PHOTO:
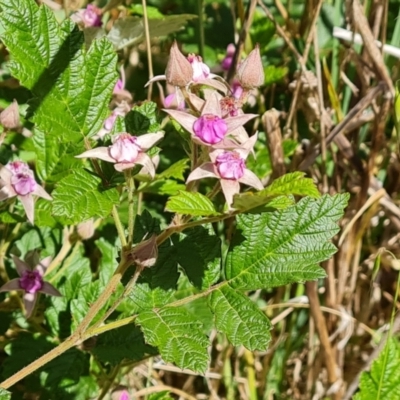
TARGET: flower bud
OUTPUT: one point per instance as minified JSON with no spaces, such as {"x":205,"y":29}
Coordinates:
{"x":145,"y":253}
{"x":9,"y":117}
{"x":251,"y":72}
{"x":179,"y":71}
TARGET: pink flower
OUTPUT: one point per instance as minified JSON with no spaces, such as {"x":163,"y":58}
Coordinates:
{"x":127,"y":151}
{"x":210,"y":128}
{"x":90,"y":16}
{"x":227,"y":61}
{"x":201,"y":71}
{"x":118,"y":86}
{"x":230,"y":168}
{"x":31,"y":282}
{"x":17,"y":179}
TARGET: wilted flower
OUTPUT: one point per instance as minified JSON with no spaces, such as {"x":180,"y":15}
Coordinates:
{"x":31,"y":282}
{"x":210,"y":128}
{"x":230,"y":168}
{"x":127,"y":151}
{"x":90,"y":16}
{"x":9,"y":117}
{"x":251,"y":72}
{"x":17,"y":179}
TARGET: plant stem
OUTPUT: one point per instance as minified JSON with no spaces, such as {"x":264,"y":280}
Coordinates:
{"x":131,"y":204}
{"x":118,"y":225}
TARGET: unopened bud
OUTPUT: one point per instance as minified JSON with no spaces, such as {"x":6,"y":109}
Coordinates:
{"x":251,"y":72}
{"x":145,"y":253}
{"x":9,"y":117}
{"x":179,"y":71}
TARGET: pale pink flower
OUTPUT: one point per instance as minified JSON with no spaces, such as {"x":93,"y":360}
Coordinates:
{"x":230,"y":168}
{"x":127,"y":151}
{"x":31,"y":282}
{"x":201,"y":70}
{"x":90,"y":16}
{"x":17,"y":179}
{"x":210,"y":128}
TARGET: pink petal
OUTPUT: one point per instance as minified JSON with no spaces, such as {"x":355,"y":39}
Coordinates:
{"x":183,"y":118}
{"x":123,"y":166}
{"x":212,"y":106}
{"x":7,"y":192}
{"x":49,"y":289}
{"x":229,"y":188}
{"x":155,"y":79}
{"x":248,"y":146}
{"x":101,"y":153}
{"x":240,"y":134}
{"x":20,"y":265}
{"x":205,"y":170}
{"x":196,"y":101}
{"x":28,"y":204}
{"x":212,"y":83}
{"x":149,"y":140}
{"x":145,"y":160}
{"x":10,"y":285}
{"x":29,"y":303}
{"x":5,"y":174}
{"x":239,"y":120}
{"x":39,"y":191}
{"x":43,"y":265}
{"x":250,"y":178}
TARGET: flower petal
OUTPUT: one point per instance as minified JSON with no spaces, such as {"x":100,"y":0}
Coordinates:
{"x":123,"y":166}
{"x":39,"y":191}
{"x":21,"y":266}
{"x":149,"y":140}
{"x":29,"y":303}
{"x":101,"y":153}
{"x":28,"y":204}
{"x":145,"y":160}
{"x":10,"y":285}
{"x":155,"y":79}
{"x":183,"y":118}
{"x":7,"y":192}
{"x":212,"y":106}
{"x":250,"y":178}
{"x":212,"y":83}
{"x":229,"y":187}
{"x":234,"y":122}
{"x":196,"y":101}
{"x":49,"y":289}
{"x":205,"y":170}
{"x":43,"y":265}
{"x":5,"y":174}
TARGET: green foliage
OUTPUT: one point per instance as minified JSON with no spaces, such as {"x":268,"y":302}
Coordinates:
{"x":282,"y":247}
{"x":240,"y":319}
{"x":191,"y":203}
{"x":77,"y":197}
{"x":164,"y":395}
{"x":4,"y":394}
{"x":383,"y":381}
{"x":142,"y":119}
{"x":178,"y":336}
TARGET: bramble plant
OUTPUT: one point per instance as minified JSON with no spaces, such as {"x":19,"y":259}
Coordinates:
{"x":79,"y":192}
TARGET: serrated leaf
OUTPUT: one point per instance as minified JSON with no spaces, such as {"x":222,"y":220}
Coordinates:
{"x":71,"y":88}
{"x":383,"y":381}
{"x":274,"y":249}
{"x":176,"y":170}
{"x":142,"y":119}
{"x":178,"y":336}
{"x":240,"y":319}
{"x":199,"y":254}
{"x":125,"y":343}
{"x":292,"y":184}
{"x":168,"y":187}
{"x":77,"y":197}
{"x":191,"y":203}
{"x":130,"y":30}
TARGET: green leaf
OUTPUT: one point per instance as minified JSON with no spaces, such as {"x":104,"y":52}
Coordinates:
{"x":130,"y":30}
{"x":77,"y":197}
{"x":274,"y":249}
{"x":274,"y":74}
{"x":191,"y":203}
{"x":54,"y":159}
{"x":178,"y":336}
{"x":240,"y":319}
{"x":164,"y":395}
{"x":108,"y":262}
{"x":125,"y":343}
{"x":176,"y":170}
{"x":199,"y":254}
{"x":71,"y":88}
{"x":168,"y":187}
{"x":6,"y":395}
{"x":287,"y":185}
{"x":383,"y":381}
{"x":143,"y":119}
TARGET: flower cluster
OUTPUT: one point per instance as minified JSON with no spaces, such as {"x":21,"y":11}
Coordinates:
{"x":216,"y":121}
